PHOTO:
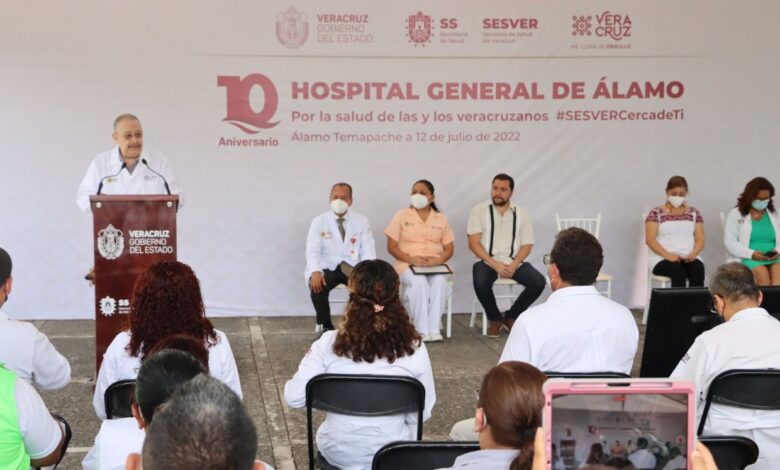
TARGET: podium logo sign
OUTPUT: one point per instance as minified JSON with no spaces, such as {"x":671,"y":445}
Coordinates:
{"x":110,"y":242}
{"x":292,"y":29}
{"x":239,"y":108}
{"x":107,"y":306}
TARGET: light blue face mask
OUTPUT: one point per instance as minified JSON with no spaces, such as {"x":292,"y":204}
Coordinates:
{"x":760,"y":204}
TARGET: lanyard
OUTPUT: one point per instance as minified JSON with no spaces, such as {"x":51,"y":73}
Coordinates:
{"x":493,"y":232}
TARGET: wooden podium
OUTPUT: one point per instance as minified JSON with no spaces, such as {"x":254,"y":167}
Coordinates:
{"x":130,"y":234}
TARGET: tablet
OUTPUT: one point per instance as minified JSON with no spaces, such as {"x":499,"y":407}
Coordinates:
{"x":647,"y":421}
{"x":430,"y":270}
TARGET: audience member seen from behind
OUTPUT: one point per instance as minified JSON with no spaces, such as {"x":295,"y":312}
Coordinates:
{"x":642,"y":458}
{"x":749,"y":339}
{"x":25,"y":350}
{"x":596,"y":456}
{"x":166,"y":301}
{"x":576,"y":329}
{"x":161,"y":372}
{"x":420,"y":236}
{"x":752,"y":233}
{"x":676,"y":460}
{"x":674,"y":232}
{"x":29,"y":435}
{"x":204,"y":426}
{"x":375,"y":337}
{"x":509,"y":411}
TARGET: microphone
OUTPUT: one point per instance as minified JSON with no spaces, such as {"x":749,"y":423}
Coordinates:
{"x":100,"y":186}
{"x":167,"y":189}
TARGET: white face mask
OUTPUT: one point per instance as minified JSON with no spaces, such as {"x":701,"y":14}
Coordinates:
{"x":419,"y":201}
{"x":676,"y":201}
{"x":339,"y":206}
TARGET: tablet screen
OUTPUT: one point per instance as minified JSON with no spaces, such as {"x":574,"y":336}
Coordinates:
{"x":647,"y":430}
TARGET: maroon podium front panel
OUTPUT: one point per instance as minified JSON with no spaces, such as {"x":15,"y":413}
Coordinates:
{"x":130,"y":234}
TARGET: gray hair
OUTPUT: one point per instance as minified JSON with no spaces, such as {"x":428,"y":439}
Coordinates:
{"x":734,"y":282}
{"x":124,"y":117}
{"x":204,"y":426}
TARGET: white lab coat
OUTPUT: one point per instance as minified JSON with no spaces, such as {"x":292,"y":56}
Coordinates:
{"x":350,"y":442}
{"x":326,"y":250}
{"x":118,"y":364}
{"x":575,"y":330}
{"x":736,"y":234}
{"x":749,"y":340}
{"x":116,"y":439}
{"x":141,"y":181}
{"x":29,"y":353}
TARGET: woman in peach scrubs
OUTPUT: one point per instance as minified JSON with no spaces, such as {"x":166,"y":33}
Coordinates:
{"x":420,"y":235}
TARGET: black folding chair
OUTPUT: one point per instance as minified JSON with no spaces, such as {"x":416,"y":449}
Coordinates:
{"x":586,"y":375}
{"x":118,"y":397}
{"x":362,"y":395}
{"x":731,"y":452}
{"x":422,"y":455}
{"x":755,"y":389}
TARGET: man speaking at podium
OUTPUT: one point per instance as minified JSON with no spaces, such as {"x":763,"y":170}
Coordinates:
{"x":128,"y":168}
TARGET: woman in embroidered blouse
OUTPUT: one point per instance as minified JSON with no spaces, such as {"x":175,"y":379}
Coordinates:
{"x":674,"y":232}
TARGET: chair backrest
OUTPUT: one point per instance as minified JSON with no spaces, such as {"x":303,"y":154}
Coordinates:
{"x":731,"y":452}
{"x":755,"y":389}
{"x":586,"y":375}
{"x":420,"y":455}
{"x":363,"y":395}
{"x":591,"y":224}
{"x":118,"y":397}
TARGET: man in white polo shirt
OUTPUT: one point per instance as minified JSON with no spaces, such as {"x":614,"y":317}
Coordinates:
{"x":501,"y":235}
{"x":576,"y":329}
{"x":338,"y":239}
{"x":749,"y":339}
{"x":25,"y":350}
{"x":128,"y":168}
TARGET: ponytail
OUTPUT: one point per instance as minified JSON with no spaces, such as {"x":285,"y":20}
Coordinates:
{"x":526,"y":457}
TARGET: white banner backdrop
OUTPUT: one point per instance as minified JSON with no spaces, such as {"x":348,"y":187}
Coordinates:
{"x":261,"y":106}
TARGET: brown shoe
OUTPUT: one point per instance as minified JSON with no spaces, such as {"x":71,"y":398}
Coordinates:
{"x":494,"y":329}
{"x":508,"y":323}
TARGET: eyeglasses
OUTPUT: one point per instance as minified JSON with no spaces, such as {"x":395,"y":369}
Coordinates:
{"x":547,"y":259}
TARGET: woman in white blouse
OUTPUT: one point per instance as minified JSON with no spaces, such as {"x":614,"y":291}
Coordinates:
{"x":166,"y":301}
{"x":674,"y":232}
{"x":509,"y":411}
{"x":376,"y":337}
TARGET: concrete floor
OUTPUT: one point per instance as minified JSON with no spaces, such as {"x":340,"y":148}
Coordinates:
{"x":268,"y":351}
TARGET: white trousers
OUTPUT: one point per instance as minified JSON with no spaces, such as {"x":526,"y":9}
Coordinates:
{"x":425,"y":296}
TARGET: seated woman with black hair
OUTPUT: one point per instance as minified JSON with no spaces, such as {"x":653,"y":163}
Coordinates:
{"x":375,"y":337}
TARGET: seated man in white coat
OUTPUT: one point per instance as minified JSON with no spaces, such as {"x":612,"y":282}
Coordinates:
{"x":338,"y":239}
{"x":749,"y":339}
{"x":576,"y":329}
{"x":24,"y":349}
{"x":128,"y":168}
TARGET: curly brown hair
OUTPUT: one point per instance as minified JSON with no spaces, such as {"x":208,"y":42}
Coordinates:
{"x":752,"y":189}
{"x":167,"y":301}
{"x":376,"y":324}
